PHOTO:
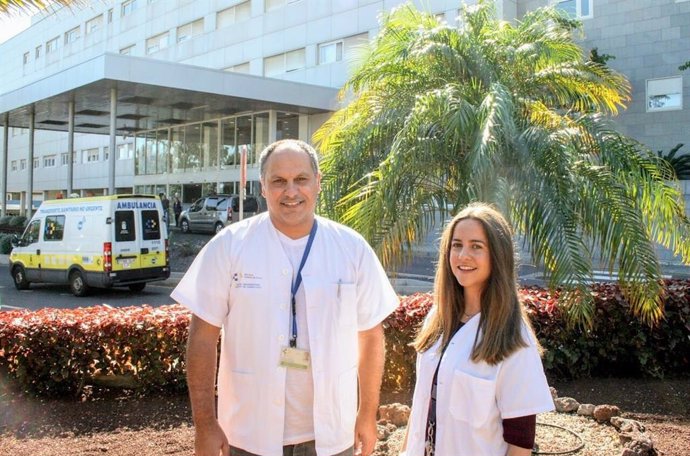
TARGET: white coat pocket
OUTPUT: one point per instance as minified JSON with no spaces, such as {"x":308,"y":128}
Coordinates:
{"x":472,"y":398}
{"x":346,"y":295}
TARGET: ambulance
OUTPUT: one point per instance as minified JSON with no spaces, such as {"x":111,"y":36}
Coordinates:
{"x":98,"y":242}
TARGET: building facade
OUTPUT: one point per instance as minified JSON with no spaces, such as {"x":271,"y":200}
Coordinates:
{"x":165,"y":95}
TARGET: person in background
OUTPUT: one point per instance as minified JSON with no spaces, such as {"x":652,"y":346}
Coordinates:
{"x":480,"y":379}
{"x":177,"y":208}
{"x":166,"y":209}
{"x":299,"y":300}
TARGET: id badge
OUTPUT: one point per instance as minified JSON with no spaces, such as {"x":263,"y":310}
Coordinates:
{"x":294,"y":358}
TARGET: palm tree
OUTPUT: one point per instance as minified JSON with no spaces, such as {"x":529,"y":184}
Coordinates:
{"x":439,"y":116}
{"x":10,"y":7}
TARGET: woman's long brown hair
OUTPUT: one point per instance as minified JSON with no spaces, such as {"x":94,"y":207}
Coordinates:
{"x":501,"y":318}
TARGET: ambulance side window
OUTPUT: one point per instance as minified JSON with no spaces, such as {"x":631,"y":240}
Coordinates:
{"x":31,"y":234}
{"x":124,"y":226}
{"x":150,"y":220}
{"x":55,"y":228}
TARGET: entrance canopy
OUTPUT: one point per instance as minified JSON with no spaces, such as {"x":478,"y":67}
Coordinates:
{"x":152,"y":94}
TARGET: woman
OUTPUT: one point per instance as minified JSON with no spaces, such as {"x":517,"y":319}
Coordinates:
{"x":482,"y":398}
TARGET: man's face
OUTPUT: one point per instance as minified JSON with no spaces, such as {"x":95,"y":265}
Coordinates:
{"x":290,"y":188}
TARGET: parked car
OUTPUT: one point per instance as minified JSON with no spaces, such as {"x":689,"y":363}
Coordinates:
{"x":212,"y":213}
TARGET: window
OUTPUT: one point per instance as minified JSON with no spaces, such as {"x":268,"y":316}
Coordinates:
{"x":52,"y":45}
{"x":90,"y":155}
{"x":274,"y":4}
{"x":125,"y":151}
{"x":237,"y":13}
{"x":55,"y":228}
{"x":127,"y":50}
{"x":37,"y":162}
{"x":72,"y":35}
{"x":284,"y":63}
{"x":22,"y":164}
{"x":124,"y":226}
{"x":580,"y":9}
{"x":25,"y":59}
{"x":64,"y":159}
{"x":37,"y":54}
{"x":110,"y":16}
{"x":31,"y":233}
{"x":330,"y":52}
{"x":665,"y":94}
{"x":93,"y":25}
{"x":49,"y":161}
{"x":190,"y":30}
{"x":240,"y":68}
{"x":106,"y":153}
{"x":156,"y":43}
{"x":151,"y":225}
{"x":14,"y":165}
{"x":128,"y":6}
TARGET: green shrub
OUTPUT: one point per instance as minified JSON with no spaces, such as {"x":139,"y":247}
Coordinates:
{"x":17,"y":221}
{"x":5,"y":243}
{"x":5,"y":220}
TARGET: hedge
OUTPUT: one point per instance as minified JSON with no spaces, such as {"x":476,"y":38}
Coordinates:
{"x":6,"y":243}
{"x":616,"y":345}
{"x":12,"y":224}
{"x":54,"y":352}
{"x":57,"y":352}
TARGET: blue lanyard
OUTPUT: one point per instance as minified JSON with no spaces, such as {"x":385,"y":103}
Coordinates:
{"x":297,"y":283}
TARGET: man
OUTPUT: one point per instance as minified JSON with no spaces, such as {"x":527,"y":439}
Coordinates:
{"x":177,"y":208}
{"x":299,"y":300}
{"x":165,"y":202}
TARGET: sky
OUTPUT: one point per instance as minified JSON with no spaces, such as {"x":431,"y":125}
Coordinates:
{"x":10,"y":26}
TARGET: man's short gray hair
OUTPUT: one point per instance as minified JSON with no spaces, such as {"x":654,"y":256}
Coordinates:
{"x":294,"y":143}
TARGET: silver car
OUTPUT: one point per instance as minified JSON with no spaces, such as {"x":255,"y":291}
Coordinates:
{"x":211,"y":213}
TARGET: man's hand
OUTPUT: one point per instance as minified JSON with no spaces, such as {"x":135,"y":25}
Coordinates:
{"x":365,"y":435}
{"x":210,"y":441}
{"x":371,"y":359}
{"x":209,"y":438}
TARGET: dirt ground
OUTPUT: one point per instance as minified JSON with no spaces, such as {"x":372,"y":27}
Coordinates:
{"x":124,"y":425}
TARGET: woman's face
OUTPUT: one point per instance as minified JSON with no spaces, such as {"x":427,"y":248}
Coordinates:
{"x":469,"y":255}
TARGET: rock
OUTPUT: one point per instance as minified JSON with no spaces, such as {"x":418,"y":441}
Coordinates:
{"x":382,"y":432}
{"x":566,"y":404}
{"x":640,"y":444}
{"x":627,"y":425}
{"x":554,"y":393}
{"x":396,"y":414}
{"x":585,"y":409}
{"x":603,"y":413}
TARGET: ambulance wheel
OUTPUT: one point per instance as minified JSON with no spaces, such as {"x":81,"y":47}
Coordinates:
{"x":219,"y":227}
{"x":136,"y":287}
{"x":77,"y":284}
{"x":19,"y":276}
{"x":184,"y":226}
